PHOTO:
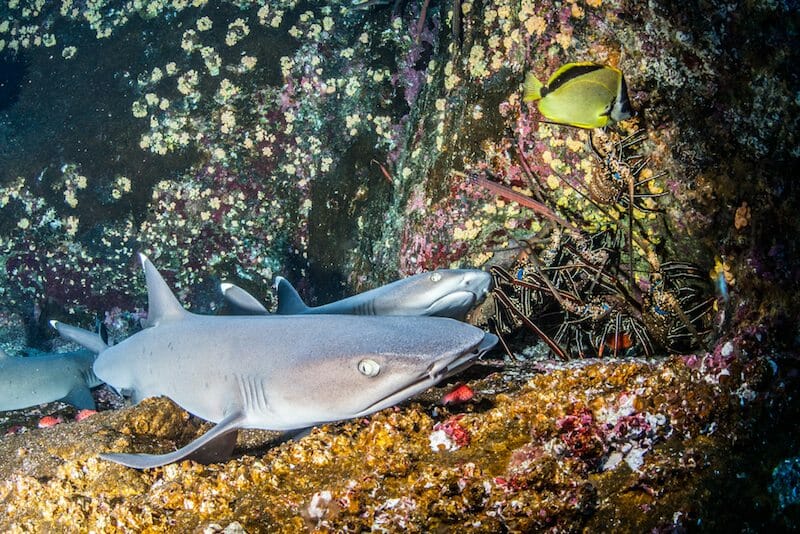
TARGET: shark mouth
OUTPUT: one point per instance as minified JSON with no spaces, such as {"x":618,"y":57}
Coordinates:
{"x":437,"y":372}
{"x":454,"y":305}
{"x":458,"y":302}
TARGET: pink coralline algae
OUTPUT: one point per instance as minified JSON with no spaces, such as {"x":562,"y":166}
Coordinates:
{"x":582,"y":435}
{"x":449,"y":435}
{"x":83,"y":414}
{"x":458,"y":395}
{"x":49,"y":421}
{"x":434,"y":236}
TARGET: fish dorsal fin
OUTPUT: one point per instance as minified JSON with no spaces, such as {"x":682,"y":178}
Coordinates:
{"x":240,"y":301}
{"x":289,"y":301}
{"x":3,"y":354}
{"x":82,"y":337}
{"x":572,"y":71}
{"x":161,"y":302}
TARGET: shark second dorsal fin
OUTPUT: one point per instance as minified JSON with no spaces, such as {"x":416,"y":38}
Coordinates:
{"x":82,"y":337}
{"x":161,"y":302}
{"x":214,"y":445}
{"x":240,"y":301}
{"x":289,"y":301}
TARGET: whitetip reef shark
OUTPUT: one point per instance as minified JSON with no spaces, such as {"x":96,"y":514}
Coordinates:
{"x":441,"y":293}
{"x":32,"y":380}
{"x":278,"y":372}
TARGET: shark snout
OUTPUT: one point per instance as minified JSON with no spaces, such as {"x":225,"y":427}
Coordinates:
{"x":478,"y":283}
{"x":445,"y":367}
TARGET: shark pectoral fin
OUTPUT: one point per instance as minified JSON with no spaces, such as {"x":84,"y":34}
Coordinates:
{"x":217,"y":450}
{"x":240,"y":301}
{"x":289,"y":301}
{"x":207,"y":446}
{"x":81,"y":398}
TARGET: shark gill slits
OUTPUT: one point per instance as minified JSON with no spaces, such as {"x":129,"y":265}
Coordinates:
{"x":369,"y":367}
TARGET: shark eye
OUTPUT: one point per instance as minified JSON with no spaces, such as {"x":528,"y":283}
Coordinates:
{"x":435,"y":277}
{"x":369,"y":367}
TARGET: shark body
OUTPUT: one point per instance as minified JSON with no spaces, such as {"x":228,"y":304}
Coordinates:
{"x":278,"y":372}
{"x":442,"y":293}
{"x":33,"y":380}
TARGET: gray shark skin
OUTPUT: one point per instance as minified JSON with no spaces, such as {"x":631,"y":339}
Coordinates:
{"x":442,"y":293}
{"x":278,"y":372}
{"x":33,"y":380}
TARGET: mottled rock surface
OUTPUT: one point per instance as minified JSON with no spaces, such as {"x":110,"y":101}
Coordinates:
{"x":635,"y":445}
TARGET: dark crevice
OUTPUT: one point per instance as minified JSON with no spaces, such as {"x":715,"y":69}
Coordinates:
{"x":12,"y":73}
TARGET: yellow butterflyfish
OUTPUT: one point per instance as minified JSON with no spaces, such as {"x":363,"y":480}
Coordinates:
{"x":586,"y":95}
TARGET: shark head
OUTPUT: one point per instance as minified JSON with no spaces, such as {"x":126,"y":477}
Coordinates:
{"x":411,"y":379}
{"x":442,"y":293}
{"x":360,"y":383}
{"x":118,"y":377}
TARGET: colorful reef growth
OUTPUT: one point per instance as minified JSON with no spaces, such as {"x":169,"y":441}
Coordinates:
{"x":645,"y":282}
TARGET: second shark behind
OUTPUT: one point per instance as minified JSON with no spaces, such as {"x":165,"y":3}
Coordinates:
{"x":442,"y":293}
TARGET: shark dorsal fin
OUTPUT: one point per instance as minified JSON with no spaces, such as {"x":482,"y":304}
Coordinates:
{"x":161,"y":302}
{"x":82,"y":337}
{"x":289,"y":301}
{"x":3,"y":354}
{"x":240,"y":301}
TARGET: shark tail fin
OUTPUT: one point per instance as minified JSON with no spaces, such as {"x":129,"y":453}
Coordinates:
{"x":240,"y":301}
{"x":289,"y":301}
{"x":161,"y":302}
{"x":90,"y":340}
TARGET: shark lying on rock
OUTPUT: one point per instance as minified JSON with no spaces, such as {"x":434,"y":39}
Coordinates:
{"x":442,"y":293}
{"x":278,"y":372}
{"x":28,"y":381}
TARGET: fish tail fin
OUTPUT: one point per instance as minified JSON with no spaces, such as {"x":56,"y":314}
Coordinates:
{"x":532,"y":88}
{"x":289,"y":301}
